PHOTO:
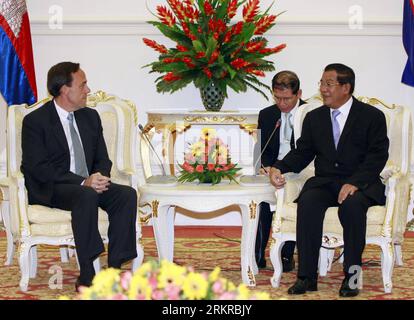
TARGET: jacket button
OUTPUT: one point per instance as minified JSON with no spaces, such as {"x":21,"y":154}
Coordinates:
{"x":336,"y":164}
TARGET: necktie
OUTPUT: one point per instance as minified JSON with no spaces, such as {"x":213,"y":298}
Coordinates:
{"x":335,"y":126}
{"x":288,"y":127}
{"x":80,"y":162}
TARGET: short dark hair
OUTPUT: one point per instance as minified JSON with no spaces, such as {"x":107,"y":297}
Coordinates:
{"x":286,"y":80}
{"x":345,"y":74}
{"x":60,"y":75}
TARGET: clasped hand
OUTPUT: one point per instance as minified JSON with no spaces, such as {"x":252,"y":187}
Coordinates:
{"x":98,"y":182}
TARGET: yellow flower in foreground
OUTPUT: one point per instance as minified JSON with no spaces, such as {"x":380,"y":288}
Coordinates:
{"x":107,"y":282}
{"x":227,"y":284}
{"x":139,"y":288}
{"x":214,"y":274}
{"x":195,"y":286}
{"x":261,"y":296}
{"x":144,"y":269}
{"x":208,"y":133}
{"x":171,"y":273}
{"x":243,"y":292}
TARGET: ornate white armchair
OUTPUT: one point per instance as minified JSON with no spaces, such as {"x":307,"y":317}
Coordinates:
{"x":385,"y":224}
{"x":36,"y":224}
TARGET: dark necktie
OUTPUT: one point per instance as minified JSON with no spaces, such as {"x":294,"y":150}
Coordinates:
{"x":80,"y":162}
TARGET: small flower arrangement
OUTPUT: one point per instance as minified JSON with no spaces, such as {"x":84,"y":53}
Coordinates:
{"x":210,"y":47}
{"x":208,"y":160}
{"x":165,"y":281}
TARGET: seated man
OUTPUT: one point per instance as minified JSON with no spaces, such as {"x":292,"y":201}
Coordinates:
{"x":276,"y":139}
{"x":65,"y":164}
{"x":349,"y":142}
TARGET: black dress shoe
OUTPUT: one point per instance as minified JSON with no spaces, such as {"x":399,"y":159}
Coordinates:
{"x":80,"y":283}
{"x":303,"y":285}
{"x":288,"y":264}
{"x":346,"y":291}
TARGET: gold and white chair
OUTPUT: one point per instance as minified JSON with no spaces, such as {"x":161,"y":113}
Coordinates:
{"x":385,"y":224}
{"x":35,"y":224}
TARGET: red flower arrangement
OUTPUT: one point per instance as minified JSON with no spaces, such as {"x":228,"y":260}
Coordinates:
{"x":210,"y":48}
{"x":208,"y":160}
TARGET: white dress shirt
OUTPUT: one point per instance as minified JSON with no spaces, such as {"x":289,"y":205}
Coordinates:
{"x":344,"y":109}
{"x":284,"y":142}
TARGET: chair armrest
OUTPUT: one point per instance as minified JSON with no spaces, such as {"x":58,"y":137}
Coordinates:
{"x":18,"y":194}
{"x":388,"y":172}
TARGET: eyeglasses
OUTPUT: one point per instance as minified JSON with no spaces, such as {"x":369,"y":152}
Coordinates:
{"x":328,"y":84}
{"x":284,"y":100}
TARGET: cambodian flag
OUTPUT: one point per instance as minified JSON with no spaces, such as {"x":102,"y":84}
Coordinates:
{"x":408,"y":40}
{"x":17,"y":76}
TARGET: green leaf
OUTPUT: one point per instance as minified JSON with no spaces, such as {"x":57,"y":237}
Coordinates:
{"x":198,"y":46}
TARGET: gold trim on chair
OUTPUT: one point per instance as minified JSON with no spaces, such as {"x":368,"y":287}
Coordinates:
{"x":252,"y":209}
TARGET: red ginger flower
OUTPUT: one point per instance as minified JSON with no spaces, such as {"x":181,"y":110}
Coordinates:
{"x":232,"y":9}
{"x":264,"y":24}
{"x":166,"y":16}
{"x":200,"y":55}
{"x":171,"y":60}
{"x":152,"y":44}
{"x":170,"y":77}
{"x":208,"y":8}
{"x":178,"y":8}
{"x":255,"y":72}
{"x":250,"y":10}
{"x":213,"y":57}
{"x":181,"y":48}
{"x":207,"y":72}
{"x":239,"y":63}
{"x":255,"y":46}
{"x":237,"y":28}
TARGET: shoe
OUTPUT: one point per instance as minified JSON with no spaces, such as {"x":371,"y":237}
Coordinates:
{"x":288,"y":264}
{"x":79,"y":284}
{"x":346,"y":291}
{"x":303,"y":285}
{"x":261,"y":264}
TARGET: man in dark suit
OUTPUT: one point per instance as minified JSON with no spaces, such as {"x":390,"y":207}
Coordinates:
{"x":65,"y":164}
{"x":348,"y":140}
{"x":275,"y":127}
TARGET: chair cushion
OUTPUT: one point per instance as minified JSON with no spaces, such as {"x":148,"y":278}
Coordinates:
{"x":45,"y":215}
{"x":62,"y":229}
{"x":376,"y":216}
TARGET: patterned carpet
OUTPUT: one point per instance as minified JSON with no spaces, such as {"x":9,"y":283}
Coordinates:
{"x":203,"y":254}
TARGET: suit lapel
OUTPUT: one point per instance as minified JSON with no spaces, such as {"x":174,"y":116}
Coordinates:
{"x":83,"y":128}
{"x":57,"y":127}
{"x":352,"y":116}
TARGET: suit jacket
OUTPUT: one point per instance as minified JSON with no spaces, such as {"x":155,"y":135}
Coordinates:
{"x":268,"y":118}
{"x":45,"y":151}
{"x":359,"y":159}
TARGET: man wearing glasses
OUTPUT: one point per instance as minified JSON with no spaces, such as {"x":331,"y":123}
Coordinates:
{"x":348,"y":140}
{"x":275,"y":127}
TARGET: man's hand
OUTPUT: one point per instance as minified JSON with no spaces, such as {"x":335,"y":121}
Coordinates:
{"x":346,"y":190}
{"x":98,"y":182}
{"x":264,"y":171}
{"x":276,"y":178}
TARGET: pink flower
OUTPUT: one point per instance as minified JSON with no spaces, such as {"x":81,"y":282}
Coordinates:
{"x":153,"y":281}
{"x":173,"y":292}
{"x":218,"y":169}
{"x":200,"y":168}
{"x":158,"y":295}
{"x":227,"y":296}
{"x":211,"y":166}
{"x":125,"y":279}
{"x":119,"y":296}
{"x":217,"y":287}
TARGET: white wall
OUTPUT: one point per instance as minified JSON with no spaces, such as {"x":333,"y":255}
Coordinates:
{"x":106,"y":38}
